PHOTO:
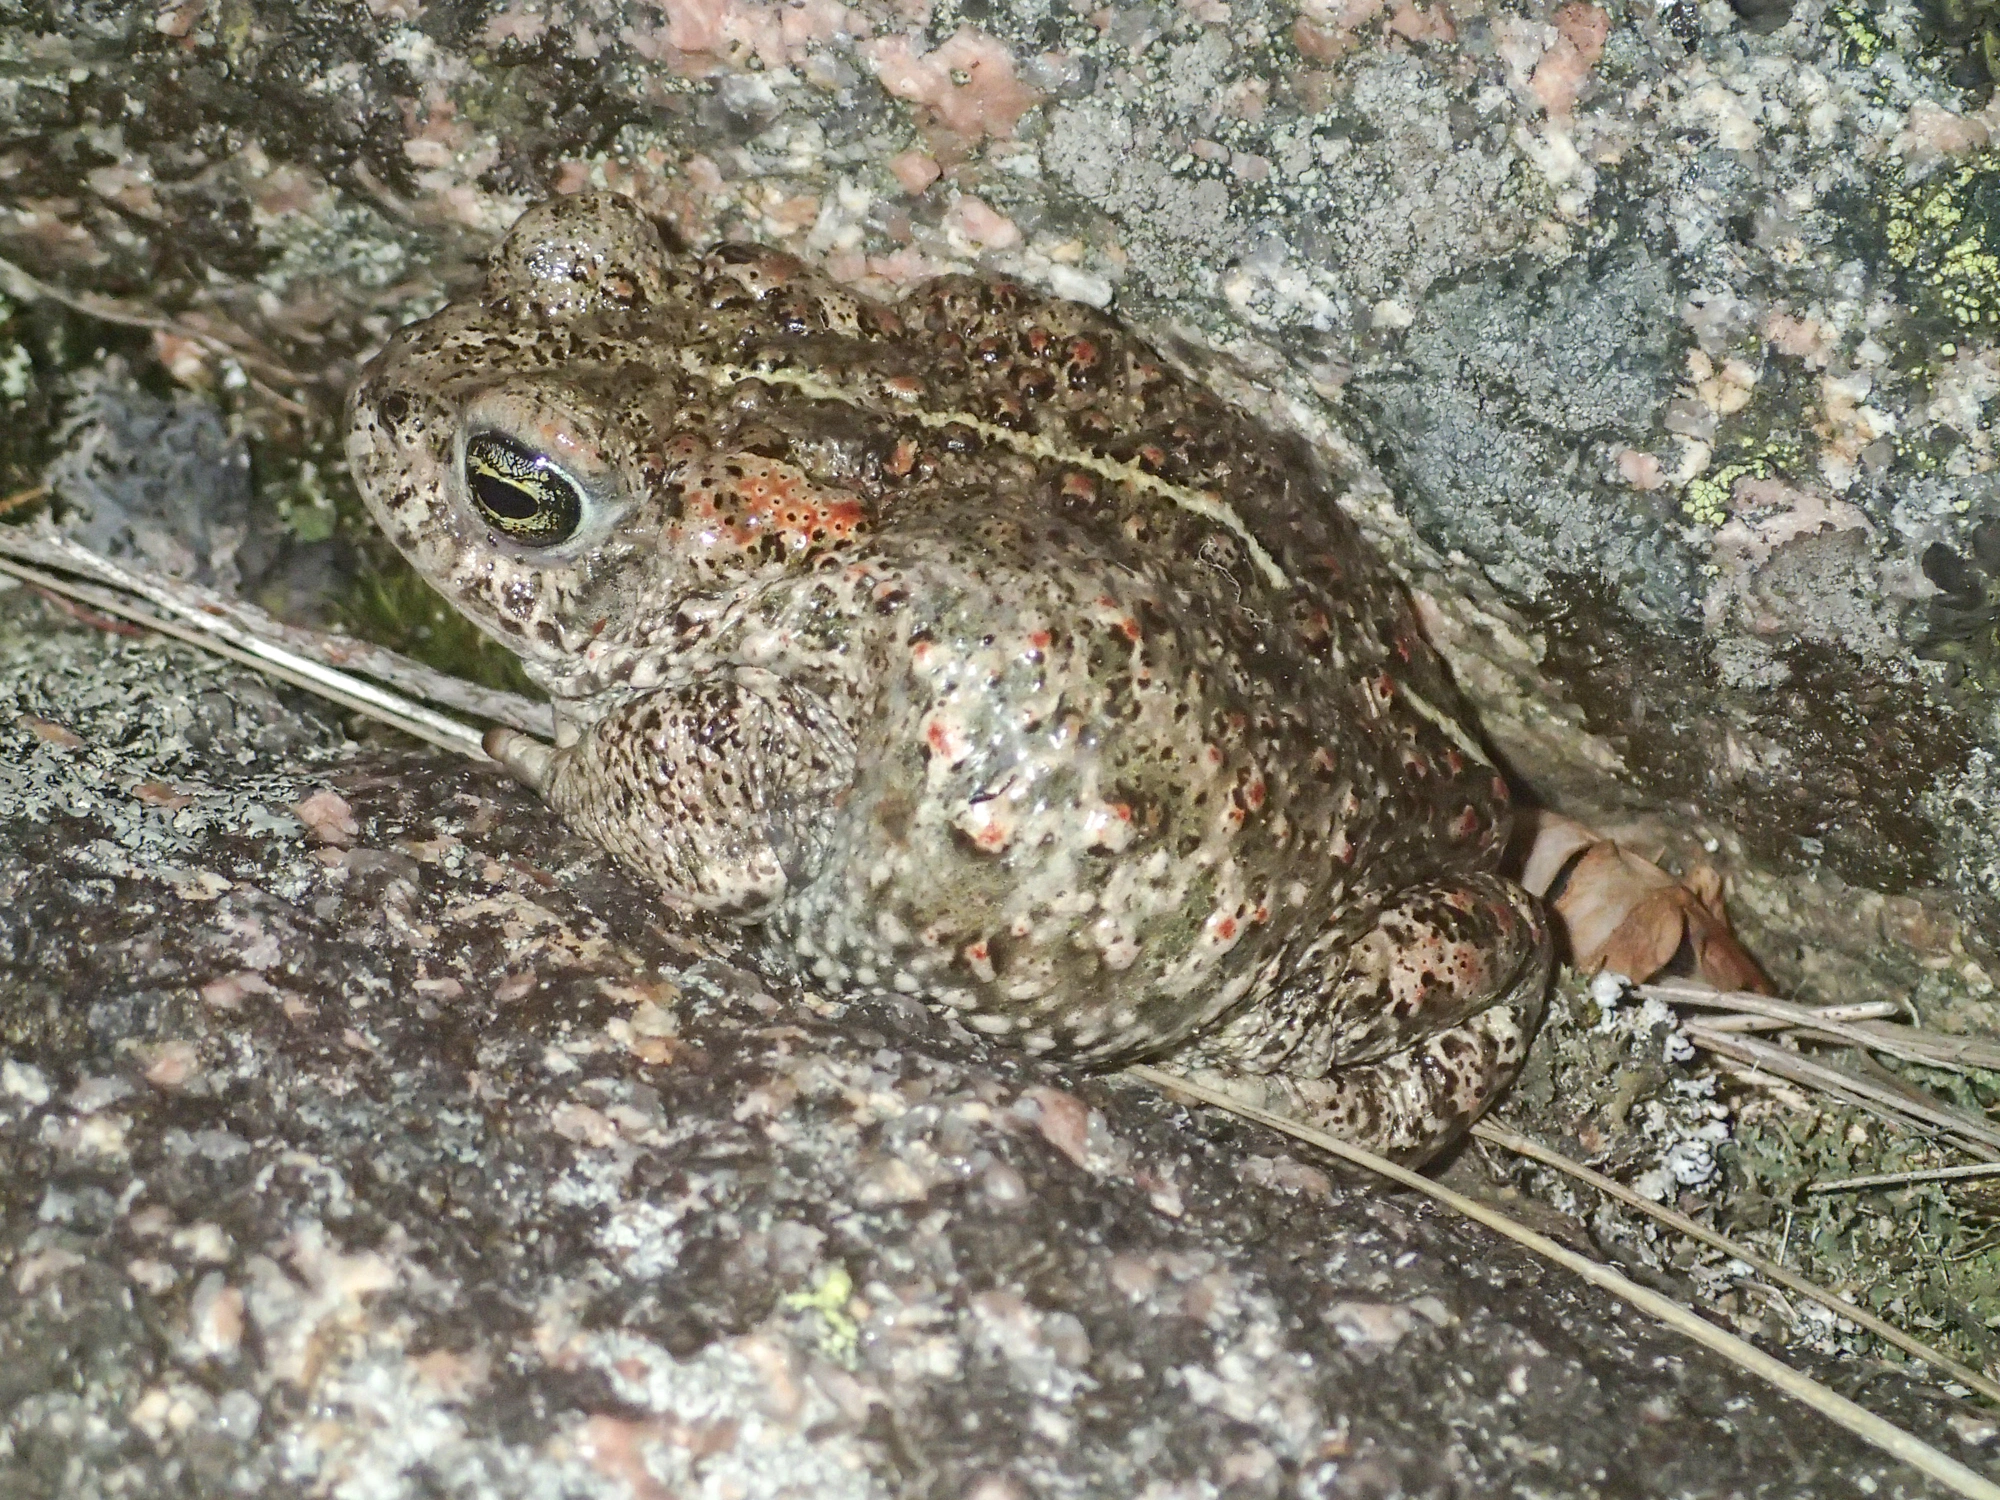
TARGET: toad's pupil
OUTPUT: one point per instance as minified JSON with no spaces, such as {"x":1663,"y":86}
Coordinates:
{"x":504,"y":498}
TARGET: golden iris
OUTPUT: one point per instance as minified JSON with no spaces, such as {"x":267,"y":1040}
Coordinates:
{"x":522,"y":492}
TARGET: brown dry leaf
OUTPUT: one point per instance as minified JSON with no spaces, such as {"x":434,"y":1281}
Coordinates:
{"x":1705,"y":882}
{"x":1623,"y":913}
{"x":1557,"y":841}
{"x":1718,"y":957}
{"x":1626,"y":914}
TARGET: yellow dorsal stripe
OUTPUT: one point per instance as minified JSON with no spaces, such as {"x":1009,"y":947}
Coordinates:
{"x":1030,"y":444}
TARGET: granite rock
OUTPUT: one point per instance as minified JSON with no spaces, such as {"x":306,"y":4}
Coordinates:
{"x":366,"y":1135}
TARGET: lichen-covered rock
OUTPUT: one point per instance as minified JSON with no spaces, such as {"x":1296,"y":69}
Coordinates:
{"x":364,"y":1134}
{"x":1670,"y":329}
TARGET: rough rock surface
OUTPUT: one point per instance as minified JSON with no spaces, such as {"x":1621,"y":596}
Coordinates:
{"x":366,"y":1135}
{"x":1671,"y":332}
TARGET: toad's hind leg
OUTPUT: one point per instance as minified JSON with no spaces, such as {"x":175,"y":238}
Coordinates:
{"x":1398,"y":1040}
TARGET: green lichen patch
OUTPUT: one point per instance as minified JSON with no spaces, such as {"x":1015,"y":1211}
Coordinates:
{"x":1861,"y":40}
{"x":1955,"y":40}
{"x":1705,"y":500}
{"x":1769,"y":437}
{"x":1942,"y":237}
{"x":840,"y":1335}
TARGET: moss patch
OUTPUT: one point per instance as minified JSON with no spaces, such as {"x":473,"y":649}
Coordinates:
{"x":1925,"y":1257}
{"x":390,"y":605}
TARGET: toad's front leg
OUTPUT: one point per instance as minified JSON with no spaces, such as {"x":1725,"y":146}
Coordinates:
{"x":721,"y":792}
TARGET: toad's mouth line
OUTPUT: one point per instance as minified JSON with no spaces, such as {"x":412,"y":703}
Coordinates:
{"x":1031,"y":445}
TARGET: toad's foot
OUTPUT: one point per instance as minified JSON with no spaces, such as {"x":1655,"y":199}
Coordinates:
{"x":522,"y":756}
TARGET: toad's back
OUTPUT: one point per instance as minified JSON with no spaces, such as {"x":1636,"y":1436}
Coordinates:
{"x":969,"y":648}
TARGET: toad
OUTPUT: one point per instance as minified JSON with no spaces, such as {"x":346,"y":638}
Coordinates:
{"x":969,"y":652}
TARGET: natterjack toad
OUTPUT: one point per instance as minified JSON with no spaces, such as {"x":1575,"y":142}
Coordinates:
{"x":973,"y":654}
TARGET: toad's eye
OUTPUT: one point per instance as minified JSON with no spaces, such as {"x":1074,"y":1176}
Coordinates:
{"x":522,"y":492}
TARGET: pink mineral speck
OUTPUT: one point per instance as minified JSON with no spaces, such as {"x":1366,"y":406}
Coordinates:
{"x":1934,"y":129}
{"x":1801,"y":338}
{"x":1412,"y":24}
{"x":126,"y":188}
{"x":616,"y":1448}
{"x":720,"y":28}
{"x":328,"y":818}
{"x":228,"y":992}
{"x":1134,"y":1275}
{"x":1324,"y":31}
{"x":818,"y":21}
{"x":1559,"y":76}
{"x":515,"y":25}
{"x":1347,"y":15}
{"x":914,"y":171}
{"x":1064,"y":1121}
{"x":703,"y":175}
{"x":903,"y":268}
{"x":968,"y":83}
{"x":1640,"y":470}
{"x":173,"y":1065}
{"x":453,"y":1376}
{"x":178,"y":20}
{"x":980,"y":224}
{"x":215,"y":1316}
{"x":789,"y":215}
{"x":1246,"y":99}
